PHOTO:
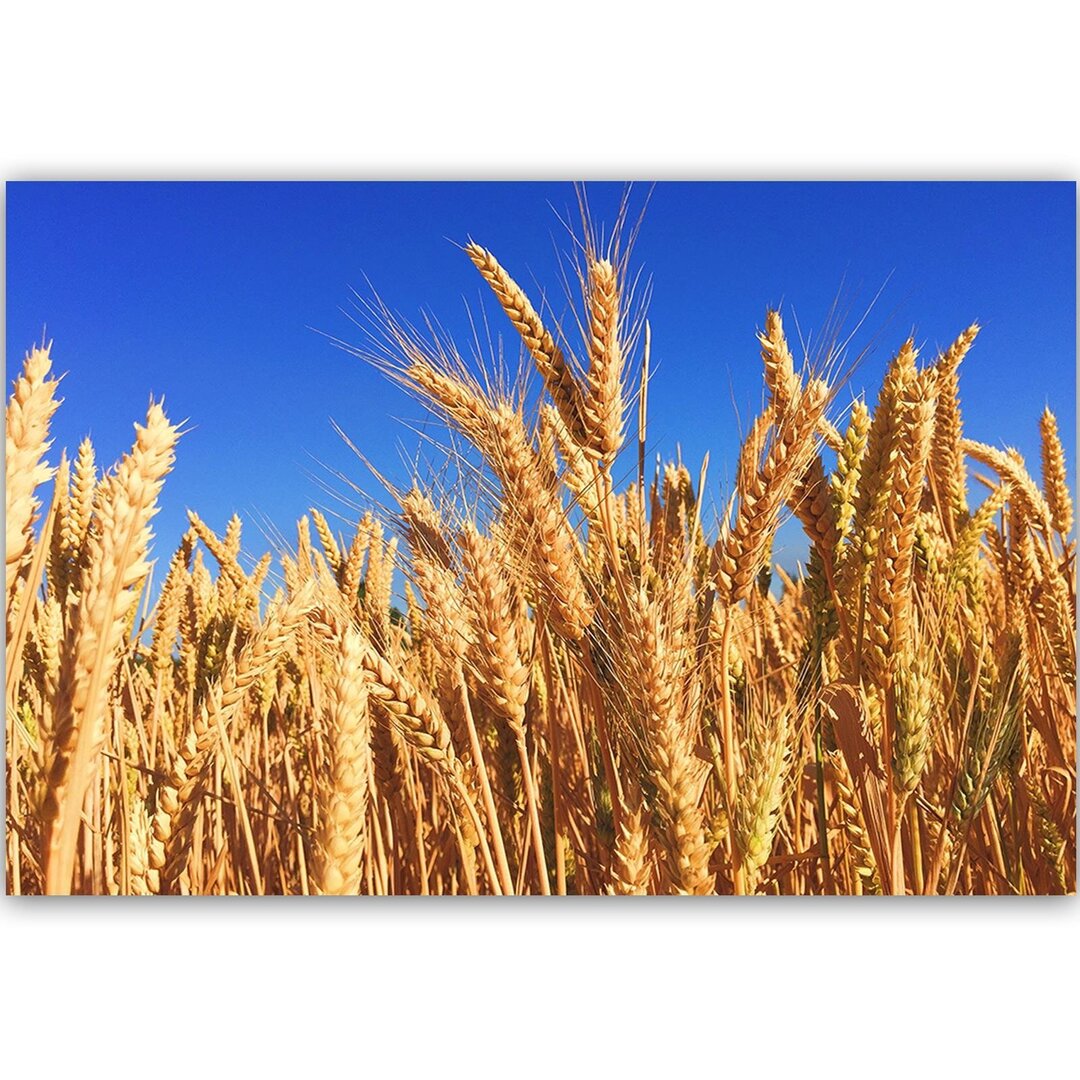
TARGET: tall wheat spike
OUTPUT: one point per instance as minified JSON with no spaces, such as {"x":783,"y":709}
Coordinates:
{"x":107,"y":590}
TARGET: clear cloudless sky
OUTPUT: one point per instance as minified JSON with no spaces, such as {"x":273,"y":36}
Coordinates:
{"x":214,"y":294}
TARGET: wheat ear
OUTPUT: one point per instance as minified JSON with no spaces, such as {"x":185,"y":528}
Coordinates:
{"x":342,"y":791}
{"x":107,"y":591}
{"x":1055,"y":482}
{"x":29,"y":411}
{"x":549,"y":359}
{"x":603,"y":403}
{"x":180,"y":797}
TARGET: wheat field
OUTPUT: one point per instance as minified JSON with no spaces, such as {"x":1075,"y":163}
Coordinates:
{"x":591,"y":686}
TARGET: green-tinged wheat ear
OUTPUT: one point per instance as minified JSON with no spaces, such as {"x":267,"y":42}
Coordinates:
{"x":917,"y":701}
{"x":1051,"y":843}
{"x":963,"y":562}
{"x":760,"y":795}
{"x":993,"y":730}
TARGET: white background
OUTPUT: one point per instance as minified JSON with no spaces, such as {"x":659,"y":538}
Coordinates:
{"x":984,"y":988}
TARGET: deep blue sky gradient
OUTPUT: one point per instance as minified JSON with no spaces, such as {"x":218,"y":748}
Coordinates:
{"x":206,"y":293}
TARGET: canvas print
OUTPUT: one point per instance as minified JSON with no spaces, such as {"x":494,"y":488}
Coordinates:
{"x":540,"y":539}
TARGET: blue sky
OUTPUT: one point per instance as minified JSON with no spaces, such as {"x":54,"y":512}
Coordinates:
{"x":212,"y":294}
